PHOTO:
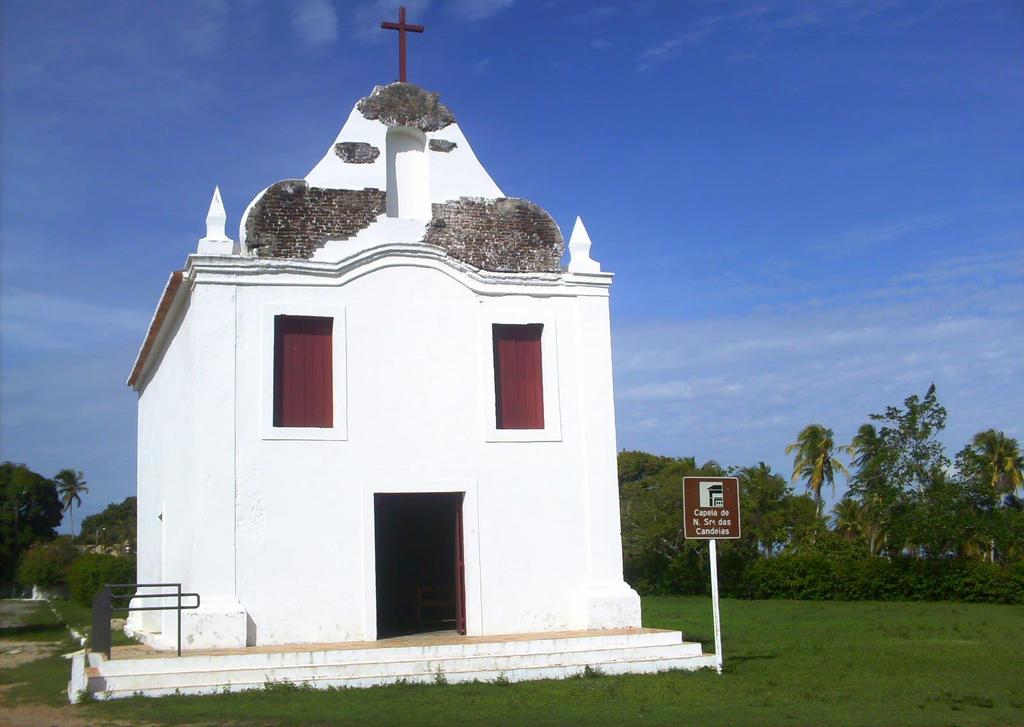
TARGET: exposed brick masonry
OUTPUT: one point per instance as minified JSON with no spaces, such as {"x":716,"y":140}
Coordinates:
{"x":292,"y":219}
{"x":356,"y":152}
{"x":503,"y":235}
{"x":442,"y":145}
{"x":405,"y":104}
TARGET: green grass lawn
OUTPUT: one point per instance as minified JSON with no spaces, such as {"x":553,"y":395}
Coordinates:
{"x":789,"y":663}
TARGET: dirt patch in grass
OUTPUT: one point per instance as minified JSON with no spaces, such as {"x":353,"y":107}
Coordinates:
{"x":16,"y":653}
{"x":14,"y":613}
{"x":41,"y":715}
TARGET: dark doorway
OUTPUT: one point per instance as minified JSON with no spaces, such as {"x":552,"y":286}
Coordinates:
{"x":420,"y":582}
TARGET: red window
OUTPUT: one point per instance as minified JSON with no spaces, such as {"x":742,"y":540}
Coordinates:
{"x":303,"y":376}
{"x":518,"y":378}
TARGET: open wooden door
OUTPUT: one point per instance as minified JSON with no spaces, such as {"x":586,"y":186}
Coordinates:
{"x":460,"y":570}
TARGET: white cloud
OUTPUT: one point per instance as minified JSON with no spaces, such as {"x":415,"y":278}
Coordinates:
{"x":31,"y":320}
{"x":864,"y":237}
{"x":367,"y":17}
{"x":593,"y":15}
{"x":206,"y":26}
{"x":315,"y":22}
{"x":761,"y":22}
{"x":670,"y":49}
{"x":477,"y":9}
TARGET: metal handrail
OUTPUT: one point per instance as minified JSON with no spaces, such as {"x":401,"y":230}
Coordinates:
{"x":103,"y":608}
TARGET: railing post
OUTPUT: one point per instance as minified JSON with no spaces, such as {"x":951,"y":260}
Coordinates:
{"x":103,"y":609}
{"x":179,"y":619}
{"x":100,"y":637}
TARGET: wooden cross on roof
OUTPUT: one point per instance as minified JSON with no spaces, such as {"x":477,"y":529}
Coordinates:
{"x":402,"y":27}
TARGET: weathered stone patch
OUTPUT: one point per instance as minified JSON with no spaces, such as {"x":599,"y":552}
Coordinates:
{"x":405,"y":104}
{"x":503,"y":235}
{"x":292,"y":219}
{"x":356,"y":152}
{"x":442,"y":145}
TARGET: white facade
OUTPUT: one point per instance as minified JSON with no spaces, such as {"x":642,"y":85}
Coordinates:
{"x":274,"y":526}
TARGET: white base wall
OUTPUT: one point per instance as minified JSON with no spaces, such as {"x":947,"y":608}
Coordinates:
{"x":641,"y":652}
{"x":614,"y":607}
{"x":217,"y":625}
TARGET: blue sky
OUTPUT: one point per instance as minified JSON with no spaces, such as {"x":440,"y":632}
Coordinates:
{"x":814,"y":209}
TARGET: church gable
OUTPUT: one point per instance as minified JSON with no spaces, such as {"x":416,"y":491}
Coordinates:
{"x":401,"y":156}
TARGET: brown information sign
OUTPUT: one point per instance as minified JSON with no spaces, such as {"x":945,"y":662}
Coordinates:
{"x":711,"y":507}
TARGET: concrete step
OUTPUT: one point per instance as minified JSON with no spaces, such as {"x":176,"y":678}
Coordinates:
{"x":217,"y":684}
{"x":303,"y":657}
{"x":483,"y":661}
{"x":517,"y":675}
{"x":257,"y":676}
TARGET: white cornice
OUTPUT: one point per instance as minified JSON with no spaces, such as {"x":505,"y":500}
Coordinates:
{"x":205,"y":269}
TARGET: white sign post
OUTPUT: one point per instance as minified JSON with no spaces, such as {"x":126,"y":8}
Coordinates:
{"x":711,"y":511}
{"x":713,"y":554}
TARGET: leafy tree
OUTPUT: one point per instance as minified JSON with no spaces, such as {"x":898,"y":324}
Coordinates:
{"x":813,"y":461}
{"x":945,"y":521}
{"x":773,"y":515}
{"x":656,"y":556}
{"x":803,"y":520}
{"x":71,"y":487}
{"x":908,"y":446}
{"x":29,"y":512}
{"x":46,"y":563}
{"x":763,"y":508}
{"x":114,"y":526}
{"x":1008,"y":529}
{"x":897,"y":464}
{"x":90,"y":572}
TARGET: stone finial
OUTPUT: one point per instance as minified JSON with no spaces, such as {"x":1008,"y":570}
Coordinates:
{"x":216,"y":241}
{"x":579,"y":251}
{"x":216,"y":218}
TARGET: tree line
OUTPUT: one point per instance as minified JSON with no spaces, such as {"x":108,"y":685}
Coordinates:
{"x":911,"y":518}
{"x":32,"y":508}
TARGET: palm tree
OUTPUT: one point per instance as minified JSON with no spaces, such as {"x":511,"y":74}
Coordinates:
{"x":814,"y":461}
{"x":1000,"y":456}
{"x":863,"y":447}
{"x":863,"y":450}
{"x":1001,"y":463}
{"x":71,"y":487}
{"x":849,"y":517}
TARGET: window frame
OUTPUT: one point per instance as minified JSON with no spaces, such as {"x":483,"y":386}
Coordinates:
{"x":339,"y":374}
{"x":520,"y":315}
{"x":498,"y":383}
{"x":282,"y":373}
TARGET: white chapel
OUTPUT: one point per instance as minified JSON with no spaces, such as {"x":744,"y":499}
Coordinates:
{"x":384,"y":409}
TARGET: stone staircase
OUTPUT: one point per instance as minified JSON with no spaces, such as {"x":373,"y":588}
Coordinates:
{"x":626,"y":651}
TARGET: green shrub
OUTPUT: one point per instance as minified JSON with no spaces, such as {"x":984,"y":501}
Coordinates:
{"x":816,"y":577}
{"x":45,"y":564}
{"x":88,"y":574}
